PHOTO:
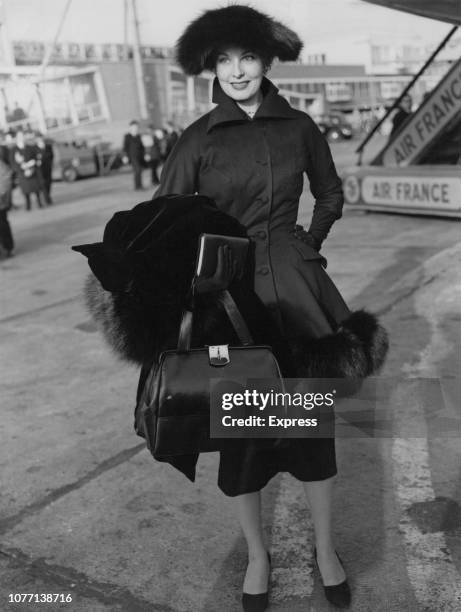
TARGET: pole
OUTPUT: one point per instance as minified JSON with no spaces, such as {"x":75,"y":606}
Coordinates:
{"x":50,"y":49}
{"x":362,"y":145}
{"x":138,"y":67}
{"x":7,"y":47}
{"x":125,"y":29}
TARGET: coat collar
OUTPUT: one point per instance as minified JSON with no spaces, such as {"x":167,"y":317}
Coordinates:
{"x":272,"y":106}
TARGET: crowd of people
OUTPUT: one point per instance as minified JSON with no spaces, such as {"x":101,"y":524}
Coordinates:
{"x":148,"y":150}
{"x":26,"y":160}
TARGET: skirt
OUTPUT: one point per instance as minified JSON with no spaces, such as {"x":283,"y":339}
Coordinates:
{"x":315,"y":308}
{"x":249,"y":469}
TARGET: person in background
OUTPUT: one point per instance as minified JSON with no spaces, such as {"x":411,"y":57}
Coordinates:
{"x":160,"y":136}
{"x":154,"y":153}
{"x":4,"y":149}
{"x":6,"y":146}
{"x":134,"y":153}
{"x":25,"y":163}
{"x":402,"y":114}
{"x":18,"y":113}
{"x":171,"y":137}
{"x":355,"y":119}
{"x":6,"y":236}
{"x":10,"y":142}
{"x":45,"y":166}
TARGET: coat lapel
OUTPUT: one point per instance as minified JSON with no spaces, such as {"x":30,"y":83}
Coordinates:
{"x":272,"y":106}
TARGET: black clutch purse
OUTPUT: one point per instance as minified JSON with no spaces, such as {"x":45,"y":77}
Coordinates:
{"x":174,"y":407}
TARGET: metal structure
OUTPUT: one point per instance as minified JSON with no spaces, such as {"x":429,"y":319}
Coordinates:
{"x":419,"y":169}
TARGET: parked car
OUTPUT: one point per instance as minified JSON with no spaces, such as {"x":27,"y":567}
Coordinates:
{"x":79,"y":159}
{"x":335,"y":127}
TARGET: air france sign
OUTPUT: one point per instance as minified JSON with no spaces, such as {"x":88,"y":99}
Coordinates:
{"x":436,"y":112}
{"x":443,"y":193}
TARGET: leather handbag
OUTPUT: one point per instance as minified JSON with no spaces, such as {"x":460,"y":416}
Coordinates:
{"x":175,"y":402}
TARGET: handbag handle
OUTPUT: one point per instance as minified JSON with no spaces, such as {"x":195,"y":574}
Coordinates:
{"x":234,"y":314}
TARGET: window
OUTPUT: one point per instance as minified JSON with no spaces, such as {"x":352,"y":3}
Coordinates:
{"x":338,"y":91}
{"x":390,"y":89}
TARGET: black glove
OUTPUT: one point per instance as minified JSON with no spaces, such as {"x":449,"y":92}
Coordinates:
{"x":300,"y":233}
{"x":225,"y":272}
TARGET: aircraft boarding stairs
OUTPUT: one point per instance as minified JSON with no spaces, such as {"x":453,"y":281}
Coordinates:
{"x":419,"y":169}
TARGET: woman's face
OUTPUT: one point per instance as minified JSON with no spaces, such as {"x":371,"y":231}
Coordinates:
{"x":240,"y":73}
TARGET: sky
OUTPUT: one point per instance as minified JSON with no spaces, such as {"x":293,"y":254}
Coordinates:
{"x":161,"y":21}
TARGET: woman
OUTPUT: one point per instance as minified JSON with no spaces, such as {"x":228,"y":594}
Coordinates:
{"x":249,"y":154}
{"x":25,"y":161}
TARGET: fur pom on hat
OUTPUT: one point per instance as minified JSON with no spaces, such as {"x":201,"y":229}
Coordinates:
{"x":237,"y":25}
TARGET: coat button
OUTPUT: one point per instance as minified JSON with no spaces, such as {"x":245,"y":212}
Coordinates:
{"x":262,"y":234}
{"x":263,"y":270}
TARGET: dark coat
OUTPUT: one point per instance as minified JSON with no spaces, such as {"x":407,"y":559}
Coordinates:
{"x":142,"y":273}
{"x":5,"y":185}
{"x":134,"y":149}
{"x":46,"y":156}
{"x":5,"y":155}
{"x":253,"y":169}
{"x":171,"y":138}
{"x":154,"y":151}
{"x":399,"y":119}
{"x":145,"y":265}
{"x":28,"y":180}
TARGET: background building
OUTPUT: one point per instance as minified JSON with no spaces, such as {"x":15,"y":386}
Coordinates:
{"x":92,"y":90}
{"x":386,"y":55}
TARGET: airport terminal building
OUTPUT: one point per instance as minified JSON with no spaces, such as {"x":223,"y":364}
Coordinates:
{"x":98,"y":89}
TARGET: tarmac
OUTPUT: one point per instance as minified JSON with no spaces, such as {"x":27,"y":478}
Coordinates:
{"x":87,"y":512}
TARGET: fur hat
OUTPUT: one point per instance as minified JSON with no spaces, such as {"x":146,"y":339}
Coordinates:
{"x":237,"y":25}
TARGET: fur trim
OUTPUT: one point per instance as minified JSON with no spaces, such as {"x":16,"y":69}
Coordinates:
{"x":138,"y":330}
{"x":101,"y":306}
{"x":357,"y":349}
{"x":234,"y":25}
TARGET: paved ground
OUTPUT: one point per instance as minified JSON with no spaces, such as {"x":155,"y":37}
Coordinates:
{"x":86,"y":511}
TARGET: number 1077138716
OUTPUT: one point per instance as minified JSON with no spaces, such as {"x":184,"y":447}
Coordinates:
{"x":39,"y":598}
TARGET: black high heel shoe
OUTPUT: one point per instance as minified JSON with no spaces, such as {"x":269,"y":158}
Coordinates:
{"x":337,"y":594}
{"x":258,"y":602}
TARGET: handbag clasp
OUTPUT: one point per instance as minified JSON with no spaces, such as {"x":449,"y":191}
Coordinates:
{"x":219,"y":355}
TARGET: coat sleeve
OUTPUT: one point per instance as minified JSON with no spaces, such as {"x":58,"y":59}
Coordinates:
{"x":325,"y":185}
{"x":181,"y":169}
